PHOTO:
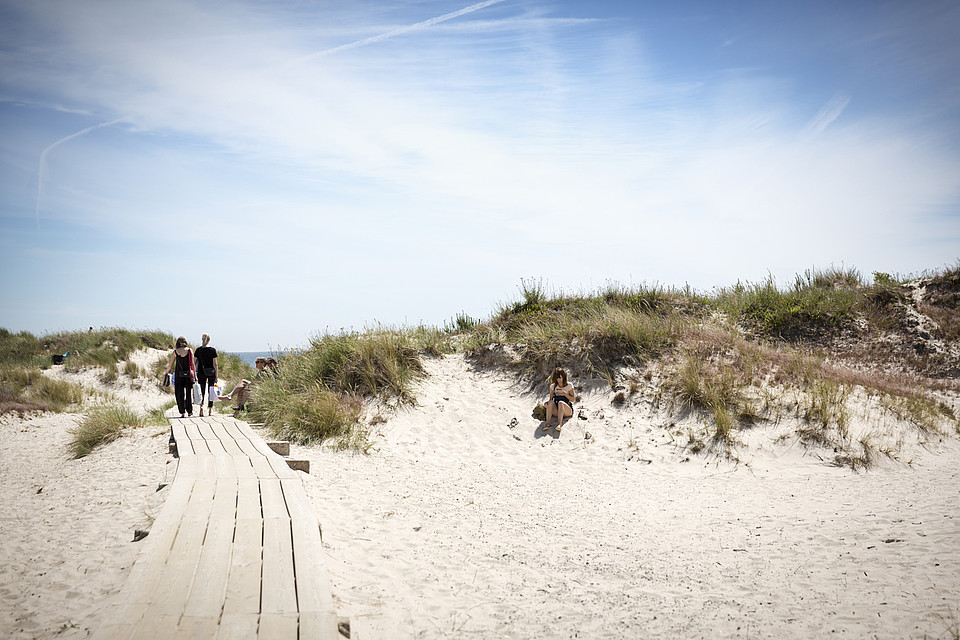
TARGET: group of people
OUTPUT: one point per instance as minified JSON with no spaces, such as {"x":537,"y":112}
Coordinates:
{"x":188,"y":367}
{"x":201,"y":367}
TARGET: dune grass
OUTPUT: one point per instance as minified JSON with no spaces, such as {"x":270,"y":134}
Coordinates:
{"x":101,"y":426}
{"x":318,"y":394}
{"x":27,"y":389}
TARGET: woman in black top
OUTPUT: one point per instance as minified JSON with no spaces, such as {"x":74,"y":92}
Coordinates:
{"x":562,"y":397}
{"x":207,"y":372}
{"x":184,"y":375}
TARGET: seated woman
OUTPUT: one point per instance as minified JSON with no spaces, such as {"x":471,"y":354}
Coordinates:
{"x":562,"y":397}
{"x":241,"y":393}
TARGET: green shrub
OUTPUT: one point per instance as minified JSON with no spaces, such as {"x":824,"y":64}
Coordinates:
{"x":376,"y":363}
{"x":102,"y":425}
{"x":818,"y":303}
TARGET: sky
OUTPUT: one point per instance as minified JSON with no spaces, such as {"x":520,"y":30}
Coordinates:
{"x":267,"y":172}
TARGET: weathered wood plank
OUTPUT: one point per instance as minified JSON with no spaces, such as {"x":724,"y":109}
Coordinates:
{"x":244,"y":580}
{"x":213,"y":568}
{"x":278,"y":625}
{"x":248,"y":499}
{"x":239,"y":626}
{"x":279,"y":587}
{"x":271,"y":497}
{"x":262,"y":465}
{"x":184,"y":446}
{"x":319,"y":626}
{"x":216,"y":447}
{"x":193,"y":431}
{"x":313,"y":582}
{"x":225,"y":499}
{"x":205,"y":429}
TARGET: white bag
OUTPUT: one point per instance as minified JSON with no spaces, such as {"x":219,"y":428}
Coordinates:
{"x":213,"y":392}
{"x":197,"y":393}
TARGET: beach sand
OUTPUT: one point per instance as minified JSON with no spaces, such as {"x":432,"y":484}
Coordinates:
{"x":461,"y":523}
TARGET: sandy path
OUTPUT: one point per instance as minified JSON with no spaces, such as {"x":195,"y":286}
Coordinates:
{"x":468,"y":528}
{"x":67,"y":525}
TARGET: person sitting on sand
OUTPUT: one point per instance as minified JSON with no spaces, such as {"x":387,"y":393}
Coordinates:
{"x":241,"y":392}
{"x":562,"y":397}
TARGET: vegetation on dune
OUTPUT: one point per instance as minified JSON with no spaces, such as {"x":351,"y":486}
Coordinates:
{"x":744,"y":354}
{"x":318,"y":393}
{"x":740,"y":356}
{"x":103,"y":425}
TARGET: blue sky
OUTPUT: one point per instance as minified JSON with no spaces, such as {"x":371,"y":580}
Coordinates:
{"x":264,"y":171}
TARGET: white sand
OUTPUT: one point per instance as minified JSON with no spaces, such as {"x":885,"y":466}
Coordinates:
{"x":460,"y":525}
{"x":465,"y":527}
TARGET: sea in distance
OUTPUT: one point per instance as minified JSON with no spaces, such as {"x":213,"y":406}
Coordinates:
{"x":251,"y":356}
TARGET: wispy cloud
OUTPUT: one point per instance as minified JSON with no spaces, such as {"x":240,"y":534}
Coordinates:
{"x":43,"y":158}
{"x":529,"y":139}
{"x":425,"y":24}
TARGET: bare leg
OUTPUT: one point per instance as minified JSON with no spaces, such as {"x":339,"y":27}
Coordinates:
{"x":549,"y":406}
{"x":563,"y":411}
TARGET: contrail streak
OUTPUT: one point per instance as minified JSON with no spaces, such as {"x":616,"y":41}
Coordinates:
{"x":43,"y":157}
{"x":401,"y":30}
{"x":830,"y":112}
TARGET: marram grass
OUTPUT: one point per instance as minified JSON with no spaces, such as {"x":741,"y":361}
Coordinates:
{"x":101,"y":426}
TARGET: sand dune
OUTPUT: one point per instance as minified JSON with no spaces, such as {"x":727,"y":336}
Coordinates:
{"x":462,"y":523}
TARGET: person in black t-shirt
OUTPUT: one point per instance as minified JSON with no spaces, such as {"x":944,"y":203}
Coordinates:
{"x":207,"y":372}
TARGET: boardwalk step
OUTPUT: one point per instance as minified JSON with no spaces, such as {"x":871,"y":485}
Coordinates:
{"x":299,"y":465}
{"x":280,"y":447}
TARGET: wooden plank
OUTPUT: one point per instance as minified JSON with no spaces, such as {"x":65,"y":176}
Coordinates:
{"x":271,"y":499}
{"x":216,"y":447}
{"x":239,"y":626}
{"x":193,"y":431}
{"x":156,"y":625}
{"x":248,"y":499}
{"x":279,"y":594}
{"x":206,"y":431}
{"x":244,"y":468}
{"x":193,"y":627}
{"x":255,"y":438}
{"x":278,"y":625}
{"x":227,"y":440}
{"x":226,"y":467}
{"x":225,"y":499}
{"x":319,"y":626}
{"x":184,"y":446}
{"x":280,"y":467}
{"x":244,"y":580}
{"x":248,"y":448}
{"x":313,"y":582}
{"x":162,"y":616}
{"x":262,"y":465}
{"x":199,"y":446}
{"x":213,"y":568}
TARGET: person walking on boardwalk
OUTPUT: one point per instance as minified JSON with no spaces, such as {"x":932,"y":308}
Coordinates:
{"x":185,"y":374}
{"x":207,"y":372}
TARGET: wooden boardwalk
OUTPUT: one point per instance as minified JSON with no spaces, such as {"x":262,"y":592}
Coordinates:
{"x":235,"y":551}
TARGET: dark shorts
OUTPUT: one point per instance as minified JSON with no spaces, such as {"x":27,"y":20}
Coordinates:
{"x":558,"y":399}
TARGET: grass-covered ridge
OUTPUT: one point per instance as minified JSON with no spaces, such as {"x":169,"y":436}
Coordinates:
{"x":742,"y":355}
{"x":745,"y":355}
